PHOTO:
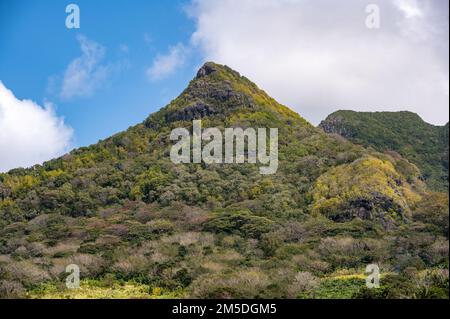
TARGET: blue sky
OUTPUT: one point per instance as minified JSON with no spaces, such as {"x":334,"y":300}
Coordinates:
{"x":62,"y":88}
{"x":36,"y":49}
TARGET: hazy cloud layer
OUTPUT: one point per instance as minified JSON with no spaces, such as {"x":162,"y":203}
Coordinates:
{"x":319,"y":56}
{"x":85,"y":74}
{"x":166,"y":64}
{"x":29,"y":133}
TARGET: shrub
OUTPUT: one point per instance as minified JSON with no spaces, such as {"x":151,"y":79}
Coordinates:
{"x":127,"y":267}
{"x":349,"y":252}
{"x":239,"y":223}
{"x":91,"y":266}
{"x":249,"y":283}
{"x":270,"y":242}
{"x":11,"y":290}
{"x":26,"y":272}
{"x":160,"y":226}
{"x":303,"y":281}
{"x":311,"y":264}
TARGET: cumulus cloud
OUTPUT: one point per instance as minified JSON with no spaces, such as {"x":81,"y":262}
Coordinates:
{"x":317,"y":56}
{"x":409,"y":7}
{"x":29,"y":133}
{"x":166,"y":64}
{"x":85,"y":74}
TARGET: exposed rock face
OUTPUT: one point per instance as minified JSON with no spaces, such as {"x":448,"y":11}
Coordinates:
{"x":378,"y":207}
{"x":196,"y":111}
{"x":4,"y":192}
{"x":335,"y":125}
{"x":210,"y":99}
{"x":206,"y":69}
{"x":214,"y":91}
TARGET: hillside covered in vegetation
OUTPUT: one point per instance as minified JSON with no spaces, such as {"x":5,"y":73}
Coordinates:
{"x":140,"y":226}
{"x":406,"y":133}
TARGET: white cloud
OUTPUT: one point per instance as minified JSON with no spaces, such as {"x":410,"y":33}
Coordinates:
{"x":317,"y":56}
{"x":85,"y":74}
{"x":410,"y":8}
{"x":29,"y":133}
{"x":165,"y":65}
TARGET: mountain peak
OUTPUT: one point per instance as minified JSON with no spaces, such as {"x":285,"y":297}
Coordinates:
{"x":222,"y":71}
{"x":219,"y":91}
{"x":206,"y":69}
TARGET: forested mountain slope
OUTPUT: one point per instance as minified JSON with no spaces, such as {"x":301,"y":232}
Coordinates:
{"x":421,"y":143}
{"x":139,"y":225}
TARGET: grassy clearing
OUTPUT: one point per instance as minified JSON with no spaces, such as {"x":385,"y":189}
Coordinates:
{"x":93,"y":289}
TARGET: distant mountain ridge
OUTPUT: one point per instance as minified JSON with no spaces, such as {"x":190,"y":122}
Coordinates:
{"x":424,"y":144}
